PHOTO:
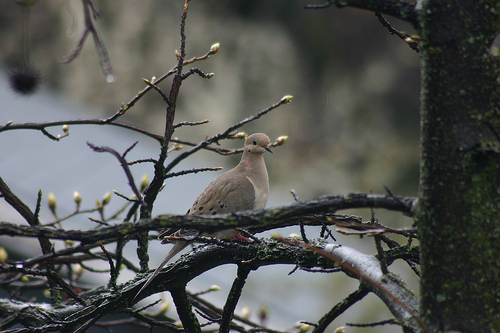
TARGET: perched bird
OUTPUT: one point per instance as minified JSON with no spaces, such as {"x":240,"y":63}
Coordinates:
{"x":245,"y":187}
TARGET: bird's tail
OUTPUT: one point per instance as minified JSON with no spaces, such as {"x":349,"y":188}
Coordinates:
{"x":178,"y":246}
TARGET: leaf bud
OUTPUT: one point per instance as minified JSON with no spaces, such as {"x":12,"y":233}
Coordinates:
{"x":3,"y":255}
{"x":214,"y":287}
{"x":239,"y":135}
{"x":245,"y":312}
{"x":281,"y":140}
{"x":52,"y":202}
{"x":77,"y":198}
{"x":164,"y":308}
{"x":214,"y":48}
{"x":144,"y":182}
{"x":106,"y":199}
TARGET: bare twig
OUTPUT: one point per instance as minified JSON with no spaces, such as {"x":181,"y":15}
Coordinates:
{"x":191,"y":123}
{"x":297,"y":198}
{"x":43,"y":125}
{"x":156,"y":184}
{"x":112,"y":270}
{"x":186,"y":172}
{"x":33,"y":221}
{"x":90,"y":15}
{"x":399,"y":9}
{"x":404,"y":36}
{"x":381,"y":255}
{"x":225,"y":134}
{"x":340,"y":308}
{"x":159,"y":91}
{"x":379,"y":323}
{"x":196,"y":70}
{"x":124,"y":165}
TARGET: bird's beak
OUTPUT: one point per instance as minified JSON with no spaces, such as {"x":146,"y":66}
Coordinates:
{"x":268,"y":149}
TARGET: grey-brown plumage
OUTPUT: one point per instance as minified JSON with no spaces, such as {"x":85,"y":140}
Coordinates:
{"x":245,"y":187}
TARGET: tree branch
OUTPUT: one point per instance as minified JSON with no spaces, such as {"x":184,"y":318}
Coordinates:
{"x":233,"y":297}
{"x":184,"y":310}
{"x":124,"y":165}
{"x":257,"y":221}
{"x":176,"y":275}
{"x":340,"y":308}
{"x":90,"y":15}
{"x":42,"y":125}
{"x":227,"y":133}
{"x":398,"y":8}
{"x":33,"y":221}
{"x":16,"y":203}
{"x":388,"y":287}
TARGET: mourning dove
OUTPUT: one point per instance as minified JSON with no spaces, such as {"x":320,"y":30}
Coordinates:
{"x":245,"y":187}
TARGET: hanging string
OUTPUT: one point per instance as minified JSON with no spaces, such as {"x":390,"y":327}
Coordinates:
{"x":25,"y":79}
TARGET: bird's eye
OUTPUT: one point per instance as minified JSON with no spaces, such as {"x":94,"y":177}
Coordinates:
{"x":254,"y":142}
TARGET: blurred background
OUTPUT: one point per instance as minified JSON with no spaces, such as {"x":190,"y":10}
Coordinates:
{"x":353,"y":123}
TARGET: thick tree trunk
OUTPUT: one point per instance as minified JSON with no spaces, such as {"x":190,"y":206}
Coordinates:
{"x":459,"y":200}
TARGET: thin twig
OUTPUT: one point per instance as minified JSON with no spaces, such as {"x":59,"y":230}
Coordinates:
{"x":297,"y":198}
{"x":42,"y":125}
{"x":124,"y":165}
{"x":404,"y":36}
{"x":191,"y":123}
{"x":186,"y":172}
{"x":90,"y":15}
{"x":340,"y":308}
{"x":225,"y":134}
{"x":196,"y":70}
{"x":159,"y":91}
{"x":112,"y":270}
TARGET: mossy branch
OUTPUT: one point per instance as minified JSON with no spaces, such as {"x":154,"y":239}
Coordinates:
{"x":257,"y":221}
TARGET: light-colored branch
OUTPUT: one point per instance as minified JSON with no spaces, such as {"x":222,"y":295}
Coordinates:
{"x":398,"y":298}
{"x":177,"y":274}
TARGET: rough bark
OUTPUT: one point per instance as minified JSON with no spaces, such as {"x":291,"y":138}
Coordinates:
{"x":459,"y":201}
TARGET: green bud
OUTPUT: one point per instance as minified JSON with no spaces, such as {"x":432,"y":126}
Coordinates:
{"x":239,"y":135}
{"x":245,"y":312}
{"x":164,"y":308}
{"x":281,"y":140}
{"x":304,"y":328}
{"x":77,"y":198}
{"x":275,"y":235}
{"x":3,"y":255}
{"x":106,"y":199}
{"x":144,"y":182}
{"x":263,"y":313}
{"x":215,"y":48}
{"x":52,"y":202}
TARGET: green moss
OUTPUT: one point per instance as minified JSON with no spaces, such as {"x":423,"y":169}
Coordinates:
{"x":459,"y":215}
